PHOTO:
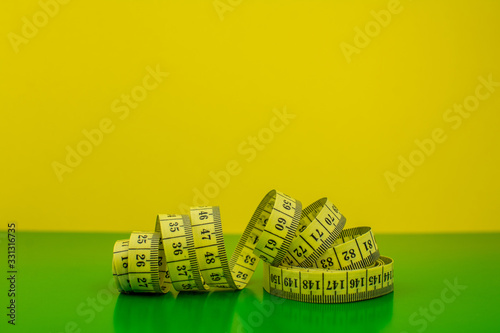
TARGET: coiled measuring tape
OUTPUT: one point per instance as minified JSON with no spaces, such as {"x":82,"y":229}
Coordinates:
{"x":308,"y":255}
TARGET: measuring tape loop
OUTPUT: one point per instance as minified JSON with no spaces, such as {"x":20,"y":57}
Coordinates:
{"x":209,"y":248}
{"x":307,"y":254}
{"x":354,"y":249}
{"x":329,"y":286}
{"x":146,"y":263}
{"x":178,"y":247}
{"x":280,"y":217}
{"x":320,"y":224}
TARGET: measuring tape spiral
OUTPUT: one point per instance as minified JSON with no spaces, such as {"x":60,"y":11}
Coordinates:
{"x":308,"y":255}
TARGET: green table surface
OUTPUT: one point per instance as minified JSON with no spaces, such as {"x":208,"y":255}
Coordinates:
{"x":443,"y":283}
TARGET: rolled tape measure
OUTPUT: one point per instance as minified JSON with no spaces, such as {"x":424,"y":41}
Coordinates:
{"x":308,"y":255}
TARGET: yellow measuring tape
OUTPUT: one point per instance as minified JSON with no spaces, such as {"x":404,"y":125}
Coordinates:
{"x":308,"y":255}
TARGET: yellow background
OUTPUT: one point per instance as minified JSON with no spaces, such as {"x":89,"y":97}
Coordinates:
{"x":353,"y":120}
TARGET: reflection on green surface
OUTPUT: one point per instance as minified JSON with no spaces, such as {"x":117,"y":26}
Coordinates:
{"x":243,"y":311}
{"x":182,"y":312}
{"x":278,"y":314}
{"x":358,"y":316}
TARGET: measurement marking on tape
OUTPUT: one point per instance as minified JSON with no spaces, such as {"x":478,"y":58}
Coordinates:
{"x":284,"y":212}
{"x":172,"y":237}
{"x":204,"y":246}
{"x":201,"y":224}
{"x":272,"y":233}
